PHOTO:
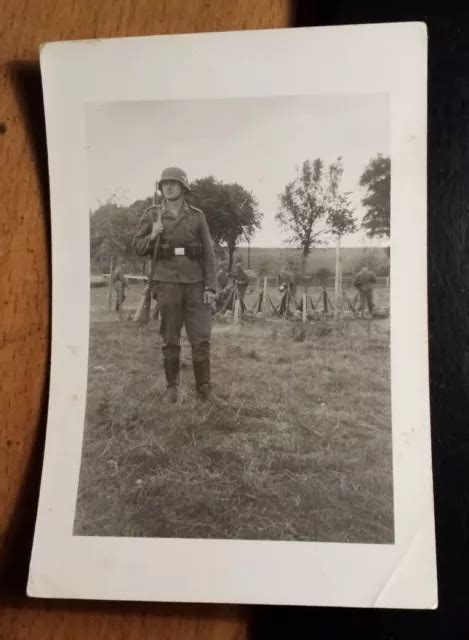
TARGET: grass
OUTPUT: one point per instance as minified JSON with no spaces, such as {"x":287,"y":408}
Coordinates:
{"x":301,"y":452}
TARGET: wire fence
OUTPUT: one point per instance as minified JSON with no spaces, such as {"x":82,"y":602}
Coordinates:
{"x":258,"y":281}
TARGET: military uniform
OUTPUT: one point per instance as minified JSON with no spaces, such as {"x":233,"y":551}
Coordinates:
{"x":222,"y":279}
{"x":184,"y":269}
{"x":364,"y":282}
{"x":119,"y":282}
{"x":242,"y":282}
{"x":287,"y":280}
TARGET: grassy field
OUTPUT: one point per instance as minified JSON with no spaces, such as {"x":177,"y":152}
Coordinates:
{"x":302,"y":451}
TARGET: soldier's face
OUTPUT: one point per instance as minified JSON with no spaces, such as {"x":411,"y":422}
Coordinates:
{"x":172,"y":189}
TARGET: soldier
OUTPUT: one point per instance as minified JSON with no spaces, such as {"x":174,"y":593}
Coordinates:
{"x":242,"y":281}
{"x":183,"y":279}
{"x":364,"y":281}
{"x":287,"y":280}
{"x":119,"y":283}
{"x":222,"y":277}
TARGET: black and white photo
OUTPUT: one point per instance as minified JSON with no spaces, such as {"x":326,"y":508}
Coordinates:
{"x":238,"y":405}
{"x":216,"y":408}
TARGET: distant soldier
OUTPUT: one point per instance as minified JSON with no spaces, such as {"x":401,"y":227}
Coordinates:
{"x":364,"y":281}
{"x":287,"y":280}
{"x":242,"y":281}
{"x":183,"y":279}
{"x":119,"y":283}
{"x":222,"y":277}
{"x":223,"y":296}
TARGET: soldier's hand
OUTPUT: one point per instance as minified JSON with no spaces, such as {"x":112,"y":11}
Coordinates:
{"x":209,"y":297}
{"x":156,"y":229}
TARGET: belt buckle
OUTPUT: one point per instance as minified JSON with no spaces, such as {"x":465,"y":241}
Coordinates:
{"x":179,"y":251}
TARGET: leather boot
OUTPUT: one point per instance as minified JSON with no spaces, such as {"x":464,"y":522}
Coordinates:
{"x":202,"y":382}
{"x":171,"y":369}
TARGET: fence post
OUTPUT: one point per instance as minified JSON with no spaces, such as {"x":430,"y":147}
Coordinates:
{"x":338,"y":281}
{"x":236,"y":311}
{"x":304,"y":306}
{"x":264,"y":299}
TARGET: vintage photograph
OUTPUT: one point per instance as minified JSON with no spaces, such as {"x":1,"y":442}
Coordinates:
{"x":239,"y":386}
{"x":239,"y":381}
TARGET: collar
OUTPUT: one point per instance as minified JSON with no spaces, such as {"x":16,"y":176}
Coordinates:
{"x":183,"y":211}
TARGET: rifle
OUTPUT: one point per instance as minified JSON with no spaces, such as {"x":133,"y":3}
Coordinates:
{"x":142,"y":314}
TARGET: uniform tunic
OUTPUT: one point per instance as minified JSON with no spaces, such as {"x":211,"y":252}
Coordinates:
{"x":222,"y":279}
{"x":190,"y":226}
{"x":242,"y":282}
{"x":364,"y":282}
{"x":119,"y":282}
{"x":179,"y":281}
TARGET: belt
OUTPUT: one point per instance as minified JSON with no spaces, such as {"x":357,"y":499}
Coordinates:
{"x":167,"y":250}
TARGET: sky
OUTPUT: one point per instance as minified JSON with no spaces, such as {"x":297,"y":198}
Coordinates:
{"x":257,"y":142}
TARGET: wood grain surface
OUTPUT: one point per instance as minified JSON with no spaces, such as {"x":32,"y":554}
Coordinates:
{"x":25,"y":303}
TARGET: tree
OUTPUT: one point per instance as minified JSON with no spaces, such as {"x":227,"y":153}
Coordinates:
{"x":376,"y":178}
{"x":112,"y":228}
{"x":232,"y":212}
{"x":312,"y":205}
{"x":303,"y":207}
{"x":340,"y":219}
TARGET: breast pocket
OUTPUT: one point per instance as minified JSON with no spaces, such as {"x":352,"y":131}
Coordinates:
{"x":190,"y":230}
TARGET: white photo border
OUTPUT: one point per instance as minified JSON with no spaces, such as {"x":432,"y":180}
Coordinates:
{"x":384,"y":58}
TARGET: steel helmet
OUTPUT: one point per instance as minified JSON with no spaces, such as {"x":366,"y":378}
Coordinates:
{"x":174,"y":173}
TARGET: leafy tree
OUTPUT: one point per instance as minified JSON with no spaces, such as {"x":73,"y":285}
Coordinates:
{"x":303,"y":206}
{"x":312,"y":205}
{"x":111,"y":234}
{"x":340,"y":219}
{"x":232,"y":212}
{"x":376,"y":179}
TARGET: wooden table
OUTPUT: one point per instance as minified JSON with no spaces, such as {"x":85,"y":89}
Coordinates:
{"x":25,"y":300}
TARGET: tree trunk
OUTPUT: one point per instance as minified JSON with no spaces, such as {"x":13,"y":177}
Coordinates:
{"x":304,"y":257}
{"x":338,"y":281}
{"x":109,"y":299}
{"x":231,"y":250}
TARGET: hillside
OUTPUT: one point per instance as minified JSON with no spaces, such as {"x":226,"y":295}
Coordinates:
{"x":271,"y":260}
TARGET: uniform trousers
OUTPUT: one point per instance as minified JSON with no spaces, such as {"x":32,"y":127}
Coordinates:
{"x":183,"y":304}
{"x":366,"y":299}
